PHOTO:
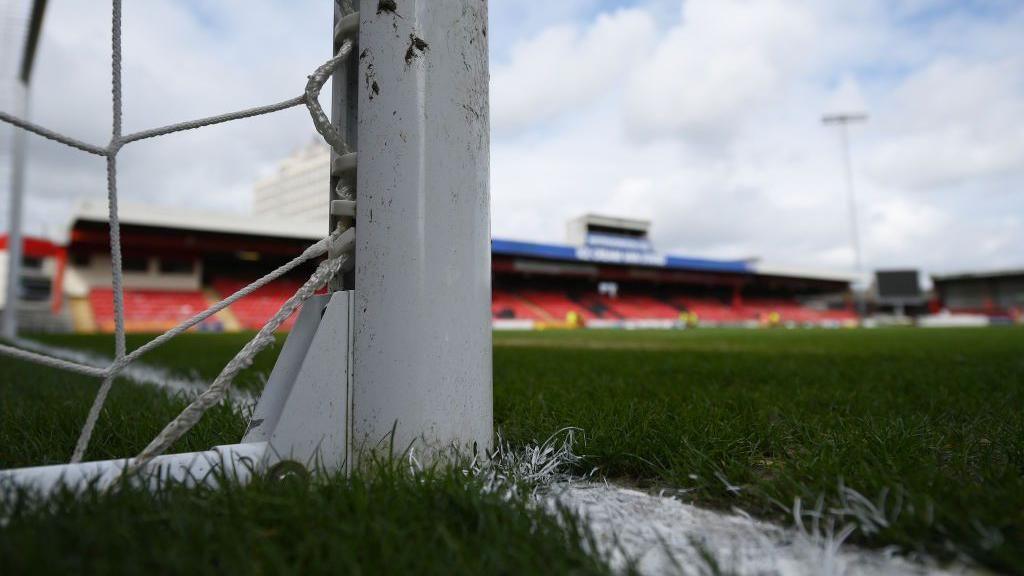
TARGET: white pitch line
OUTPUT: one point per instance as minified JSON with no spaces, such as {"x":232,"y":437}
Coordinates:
{"x":137,"y":372}
{"x":665,"y":536}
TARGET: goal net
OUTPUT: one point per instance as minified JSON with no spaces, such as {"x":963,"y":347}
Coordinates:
{"x":400,"y":349}
{"x":338,"y":247}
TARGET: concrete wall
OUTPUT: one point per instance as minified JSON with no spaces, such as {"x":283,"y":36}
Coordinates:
{"x":97,"y":274}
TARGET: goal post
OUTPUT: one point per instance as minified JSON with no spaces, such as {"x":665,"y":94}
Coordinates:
{"x":422,"y":329}
{"x":397,"y":356}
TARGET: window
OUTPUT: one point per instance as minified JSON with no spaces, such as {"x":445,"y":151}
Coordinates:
{"x":173,"y":266}
{"x":35,"y":289}
{"x":135,"y":264}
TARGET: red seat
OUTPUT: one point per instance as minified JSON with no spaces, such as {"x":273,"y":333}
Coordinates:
{"x":147,"y":310}
{"x":256,"y":309}
{"x":557,"y":304}
{"x":508,"y":305}
{"x":712,"y":310}
{"x":793,"y":311}
{"x":640,"y":307}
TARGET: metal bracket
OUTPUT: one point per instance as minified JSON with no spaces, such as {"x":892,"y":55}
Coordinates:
{"x":345,"y":208}
{"x":304,"y":410}
{"x":347,"y":27}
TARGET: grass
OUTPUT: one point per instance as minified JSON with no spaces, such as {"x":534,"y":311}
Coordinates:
{"x":199,"y":356}
{"x":383,"y":520}
{"x":387,"y":522}
{"x":42,"y":411}
{"x":933,"y":420}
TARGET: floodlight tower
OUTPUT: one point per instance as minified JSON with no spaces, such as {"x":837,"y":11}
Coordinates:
{"x":9,"y":320}
{"x":843,"y":121}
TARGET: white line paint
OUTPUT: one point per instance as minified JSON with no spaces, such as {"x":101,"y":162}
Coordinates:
{"x":665,"y":536}
{"x":136,"y":372}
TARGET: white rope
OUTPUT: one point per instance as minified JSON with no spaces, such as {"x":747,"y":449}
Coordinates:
{"x":51,"y":135}
{"x":314,"y":251}
{"x":338,"y":246}
{"x":219,"y":388}
{"x":316,"y":83}
{"x":52,"y":362}
{"x":115,"y":237}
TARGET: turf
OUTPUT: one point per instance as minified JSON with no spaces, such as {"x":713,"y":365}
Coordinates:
{"x":933,"y":420}
{"x":42,"y":411}
{"x":382,"y":520}
{"x":387,"y":522}
{"x":199,"y":356}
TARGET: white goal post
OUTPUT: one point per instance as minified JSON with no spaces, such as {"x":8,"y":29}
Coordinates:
{"x":422,"y":345}
{"x":397,"y":356}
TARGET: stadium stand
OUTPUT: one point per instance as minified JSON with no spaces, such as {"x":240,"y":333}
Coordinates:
{"x":148,"y":310}
{"x":790,"y":311}
{"x":506,"y":305}
{"x":558,"y":305}
{"x":256,"y":309}
{"x":641,"y":307}
{"x":712,"y":310}
{"x":997,"y":294}
{"x":608,"y":275}
{"x":601,"y":306}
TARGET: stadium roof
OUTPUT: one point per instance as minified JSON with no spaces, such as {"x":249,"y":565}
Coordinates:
{"x":985,"y":275}
{"x":811,"y":273}
{"x":613,"y":222}
{"x":175,"y":218}
{"x":634,"y":258}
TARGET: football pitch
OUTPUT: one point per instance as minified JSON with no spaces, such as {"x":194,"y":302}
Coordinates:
{"x":917,"y":436}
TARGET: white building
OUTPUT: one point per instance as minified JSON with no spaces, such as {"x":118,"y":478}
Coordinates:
{"x":298,"y":190}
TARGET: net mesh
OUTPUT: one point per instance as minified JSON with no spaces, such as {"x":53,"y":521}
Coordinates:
{"x":337,"y":246}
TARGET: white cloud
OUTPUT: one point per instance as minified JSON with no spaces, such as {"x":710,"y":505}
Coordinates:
{"x":953,"y":120}
{"x":716,"y":136}
{"x":846,"y":98}
{"x":703,"y":116}
{"x":178,"y":64}
{"x":724,"y":60}
{"x":564,"y":67}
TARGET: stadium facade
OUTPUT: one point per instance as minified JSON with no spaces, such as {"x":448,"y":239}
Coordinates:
{"x":608,"y":273}
{"x":997,"y":294}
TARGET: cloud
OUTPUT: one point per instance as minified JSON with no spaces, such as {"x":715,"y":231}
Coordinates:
{"x":178,"y":64}
{"x":714,"y":133}
{"x":951,"y":121}
{"x":703,"y":116}
{"x":722,"y":61}
{"x":562,"y":68}
{"x":846,"y":98}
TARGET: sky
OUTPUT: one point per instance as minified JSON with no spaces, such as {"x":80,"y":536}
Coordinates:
{"x":703,"y":116}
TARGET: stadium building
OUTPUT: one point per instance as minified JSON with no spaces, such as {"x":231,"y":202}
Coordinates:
{"x":177,"y":263}
{"x":994,"y":294}
{"x":609,"y":274}
{"x":297,"y":190}
{"x":606,"y":274}
{"x":43,"y":265}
